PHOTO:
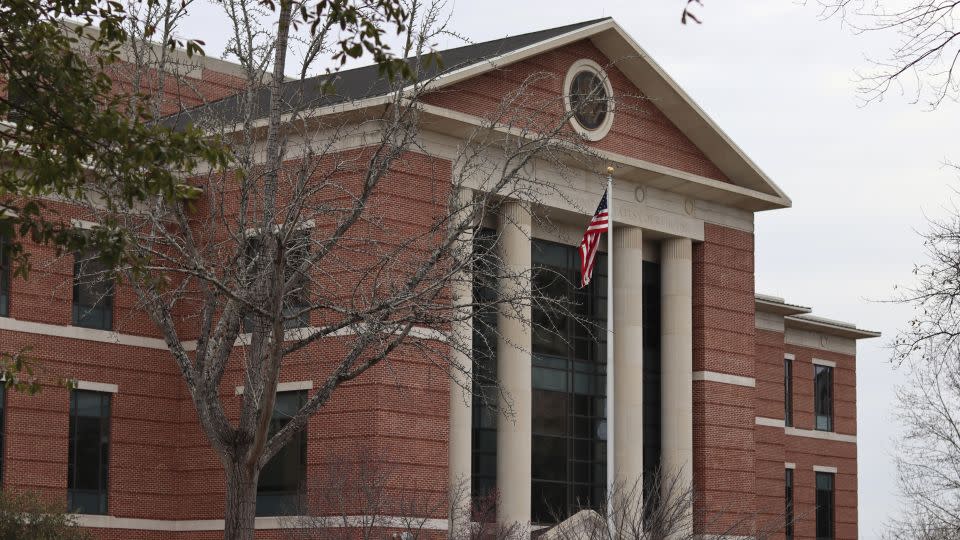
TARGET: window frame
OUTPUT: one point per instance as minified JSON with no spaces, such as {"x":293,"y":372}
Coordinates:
{"x":819,"y":401}
{"x":578,"y":67}
{"x":303,"y":299}
{"x":102,"y":307}
{"x":300,"y":439}
{"x":787,"y":391}
{"x":4,"y":278}
{"x":103,"y":449}
{"x":788,"y":503}
{"x":581,"y":371}
{"x":829,"y":513}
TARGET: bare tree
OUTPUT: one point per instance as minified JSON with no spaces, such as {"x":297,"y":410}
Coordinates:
{"x":357,"y":502}
{"x":302,"y":246}
{"x":923,"y":63}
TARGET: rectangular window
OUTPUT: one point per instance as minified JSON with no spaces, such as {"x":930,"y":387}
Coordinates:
{"x":788,"y":504}
{"x":3,"y":418}
{"x":787,"y":392}
{"x":296,"y":301}
{"x":823,"y":397}
{"x":280,"y":490}
{"x":92,"y":292}
{"x":825,"y":506}
{"x":88,"y":461}
{"x":569,"y":385}
{"x":4,"y":279}
{"x":485,"y":389}
{"x":652,"y":403}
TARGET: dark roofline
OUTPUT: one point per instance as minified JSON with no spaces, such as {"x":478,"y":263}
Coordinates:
{"x":365,"y":81}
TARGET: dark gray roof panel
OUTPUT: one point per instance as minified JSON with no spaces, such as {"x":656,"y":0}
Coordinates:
{"x":360,"y":83}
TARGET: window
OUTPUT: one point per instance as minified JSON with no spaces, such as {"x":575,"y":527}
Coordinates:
{"x":788,"y":504}
{"x":89,"y":452}
{"x":486,"y":392}
{"x":4,"y":279}
{"x":569,"y":392}
{"x":92,"y":292}
{"x":296,"y":301}
{"x":652,"y":405}
{"x":280,"y":489}
{"x":823,"y":397}
{"x":787,"y":392}
{"x":3,"y":417}
{"x":825,"y":507}
{"x":589,"y":99}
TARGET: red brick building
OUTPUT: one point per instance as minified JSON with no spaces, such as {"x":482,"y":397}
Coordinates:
{"x":748,"y":398}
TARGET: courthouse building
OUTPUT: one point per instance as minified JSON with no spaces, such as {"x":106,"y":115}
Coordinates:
{"x":749,"y":398}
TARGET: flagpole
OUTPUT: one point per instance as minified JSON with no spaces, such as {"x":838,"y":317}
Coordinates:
{"x":611,"y":403}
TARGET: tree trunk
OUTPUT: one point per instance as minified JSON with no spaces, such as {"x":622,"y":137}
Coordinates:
{"x":241,"y":501}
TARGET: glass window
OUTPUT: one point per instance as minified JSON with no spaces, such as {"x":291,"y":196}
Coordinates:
{"x":823,"y":397}
{"x":280,"y":490}
{"x":787,"y":392}
{"x":297,"y":298}
{"x":589,"y":99}
{"x":3,"y":418}
{"x":92,"y":292}
{"x":825,"y":506}
{"x":569,"y":385}
{"x":4,"y":279}
{"x":788,"y":504}
{"x":88,"y":461}
{"x":485,"y":391}
{"x":652,"y":409}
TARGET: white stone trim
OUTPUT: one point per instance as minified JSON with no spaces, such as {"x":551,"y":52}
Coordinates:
{"x":284,"y":387}
{"x":788,"y":465}
{"x":828,"y":363}
{"x":76,"y":332}
{"x":109,"y":336}
{"x":291,"y":522}
{"x":725,"y":378}
{"x":83,"y":224}
{"x":823,"y":468}
{"x":824,"y":435}
{"x":576,"y":68}
{"x":789,"y":356}
{"x":98,"y":387}
{"x":770,"y":422}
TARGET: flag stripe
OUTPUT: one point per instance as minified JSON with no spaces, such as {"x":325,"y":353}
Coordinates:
{"x":599,"y":224}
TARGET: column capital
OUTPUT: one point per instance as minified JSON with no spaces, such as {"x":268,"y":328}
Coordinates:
{"x":516,"y":213}
{"x":625,"y":236}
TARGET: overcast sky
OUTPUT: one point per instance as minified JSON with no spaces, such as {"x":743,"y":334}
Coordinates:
{"x":781,"y":83}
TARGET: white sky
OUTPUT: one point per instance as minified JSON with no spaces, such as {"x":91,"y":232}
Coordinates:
{"x":781,"y":83}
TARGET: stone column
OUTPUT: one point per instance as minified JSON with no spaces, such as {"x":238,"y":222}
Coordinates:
{"x":628,"y":356}
{"x":676,"y":361}
{"x":461,"y":398}
{"x":514,"y":369}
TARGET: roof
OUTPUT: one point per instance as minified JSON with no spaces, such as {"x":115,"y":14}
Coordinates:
{"x":796,"y":316}
{"x":366,"y":82}
{"x":751,"y":189}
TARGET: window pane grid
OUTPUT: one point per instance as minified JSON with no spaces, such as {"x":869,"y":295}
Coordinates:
{"x":569,"y":380}
{"x":92,"y":292}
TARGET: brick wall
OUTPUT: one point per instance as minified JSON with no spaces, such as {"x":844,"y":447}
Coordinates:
{"x":724,"y":414}
{"x":639,"y":129}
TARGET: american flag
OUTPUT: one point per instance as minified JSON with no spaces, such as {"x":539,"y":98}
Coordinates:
{"x":599,"y":224}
